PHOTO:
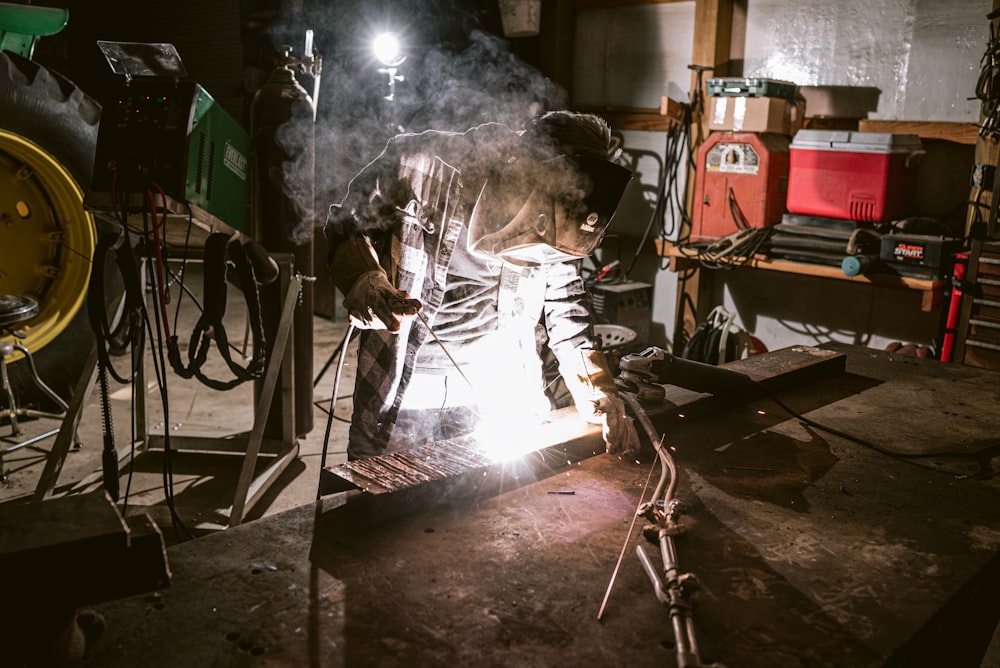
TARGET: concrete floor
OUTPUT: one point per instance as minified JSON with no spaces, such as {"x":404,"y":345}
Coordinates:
{"x":202,"y":484}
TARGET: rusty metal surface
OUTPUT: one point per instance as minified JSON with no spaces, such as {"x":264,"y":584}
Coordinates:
{"x":811,"y":550}
{"x":463,"y":461}
{"x":565,"y":433}
{"x":414,"y":467}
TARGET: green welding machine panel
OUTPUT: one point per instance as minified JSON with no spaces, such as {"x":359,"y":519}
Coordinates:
{"x":174,"y":137}
{"x":218,"y":164}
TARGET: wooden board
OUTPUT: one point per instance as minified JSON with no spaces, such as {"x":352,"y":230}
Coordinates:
{"x":933,"y":289}
{"x":961,"y":133}
{"x":811,"y":549}
{"x":77,"y":550}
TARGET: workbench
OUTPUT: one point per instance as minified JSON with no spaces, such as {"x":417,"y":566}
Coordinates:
{"x":811,"y":549}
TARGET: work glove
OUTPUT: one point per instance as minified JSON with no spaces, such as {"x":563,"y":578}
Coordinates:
{"x":592,"y":385}
{"x":371,"y":302}
{"x":369,"y":297}
{"x":617,"y":428}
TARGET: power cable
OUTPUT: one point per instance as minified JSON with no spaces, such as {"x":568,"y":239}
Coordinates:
{"x":333,"y":403}
{"x":902,"y":456}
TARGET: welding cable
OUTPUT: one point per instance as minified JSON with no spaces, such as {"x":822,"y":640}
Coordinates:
{"x":988,"y":86}
{"x":902,"y":456}
{"x":114,"y":340}
{"x":351,"y":333}
{"x":855,"y":245}
{"x":667,"y":199}
{"x":183,"y":289}
{"x":736,"y":212}
{"x":158,"y":253}
{"x":159,"y":369}
{"x":445,"y":351}
{"x":734,"y":250}
{"x":333,"y":405}
{"x":210,"y":324}
{"x":254,"y":369}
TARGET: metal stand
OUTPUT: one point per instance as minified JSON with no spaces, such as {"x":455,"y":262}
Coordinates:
{"x":249,"y":487}
{"x":13,"y":311}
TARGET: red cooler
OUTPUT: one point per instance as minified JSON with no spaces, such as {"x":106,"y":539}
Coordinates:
{"x":862,"y":176}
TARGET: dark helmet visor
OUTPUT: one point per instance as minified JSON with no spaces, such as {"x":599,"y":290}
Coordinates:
{"x":547,"y":212}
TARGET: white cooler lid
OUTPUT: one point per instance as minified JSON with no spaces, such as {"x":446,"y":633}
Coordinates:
{"x":861,"y":142}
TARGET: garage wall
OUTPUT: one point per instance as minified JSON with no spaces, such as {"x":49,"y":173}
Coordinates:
{"x":923,"y":57}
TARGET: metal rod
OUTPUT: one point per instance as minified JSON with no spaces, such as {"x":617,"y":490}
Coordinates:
{"x":628,"y":537}
{"x":445,"y":350}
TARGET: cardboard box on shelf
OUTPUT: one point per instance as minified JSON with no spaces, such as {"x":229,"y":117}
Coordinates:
{"x":755,"y":114}
{"x":840,"y":101}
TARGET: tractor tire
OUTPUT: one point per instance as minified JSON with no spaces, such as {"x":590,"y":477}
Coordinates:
{"x":48,"y":134}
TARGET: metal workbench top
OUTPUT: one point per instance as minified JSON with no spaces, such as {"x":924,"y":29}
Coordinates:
{"x":811,"y":550}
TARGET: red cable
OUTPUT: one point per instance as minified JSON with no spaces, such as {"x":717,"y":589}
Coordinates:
{"x":159,"y":255}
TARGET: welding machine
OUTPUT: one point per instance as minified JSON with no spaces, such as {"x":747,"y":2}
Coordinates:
{"x":159,"y":132}
{"x":626,"y":303}
{"x":740,"y":182}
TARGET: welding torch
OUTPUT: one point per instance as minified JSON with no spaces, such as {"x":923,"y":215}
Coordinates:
{"x":672,"y":587}
{"x":404,"y":305}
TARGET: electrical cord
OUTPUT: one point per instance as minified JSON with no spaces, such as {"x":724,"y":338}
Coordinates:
{"x":668,"y":199}
{"x":734,"y":250}
{"x":137,"y":316}
{"x":902,"y":456}
{"x":333,"y":402}
{"x":159,"y":370}
{"x":210,"y":326}
{"x":352,"y":333}
{"x":988,"y":87}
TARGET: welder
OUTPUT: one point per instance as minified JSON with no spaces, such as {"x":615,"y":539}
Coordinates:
{"x":459,"y":255}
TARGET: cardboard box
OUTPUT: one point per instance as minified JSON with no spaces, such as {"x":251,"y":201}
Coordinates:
{"x":755,"y":114}
{"x":840,"y":101}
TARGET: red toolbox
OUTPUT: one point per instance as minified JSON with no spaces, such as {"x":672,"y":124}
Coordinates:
{"x":862,"y":176}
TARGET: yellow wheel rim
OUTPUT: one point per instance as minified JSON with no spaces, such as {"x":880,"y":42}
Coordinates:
{"x":47,"y":239}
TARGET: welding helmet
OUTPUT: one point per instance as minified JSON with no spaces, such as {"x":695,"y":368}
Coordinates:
{"x":532,"y":212}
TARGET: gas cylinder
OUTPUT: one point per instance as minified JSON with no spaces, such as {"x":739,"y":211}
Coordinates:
{"x":283,"y":218}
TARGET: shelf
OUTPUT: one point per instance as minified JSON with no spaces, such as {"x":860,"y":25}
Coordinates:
{"x":670,"y":115}
{"x":960,"y":133}
{"x":933,"y":289}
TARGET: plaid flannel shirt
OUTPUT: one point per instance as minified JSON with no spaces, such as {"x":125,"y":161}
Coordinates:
{"x":411,"y":203}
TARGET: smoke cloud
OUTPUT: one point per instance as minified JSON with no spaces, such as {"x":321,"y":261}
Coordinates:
{"x":458,"y":73}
